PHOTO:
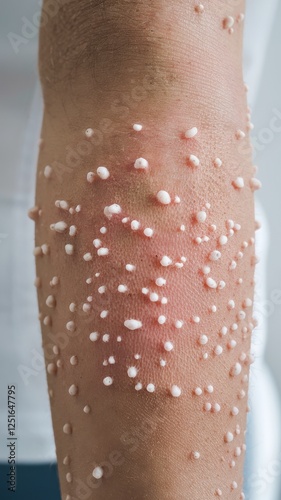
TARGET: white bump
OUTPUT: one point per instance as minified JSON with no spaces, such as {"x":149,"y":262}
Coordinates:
{"x":195,"y":455}
{"x":59,"y":227}
{"x":113,"y":209}
{"x":132,"y":324}
{"x":239,"y":182}
{"x":163,"y":197}
{"x":148,"y":232}
{"x":160,"y":281}
{"x":211,"y":283}
{"x":97,"y":243}
{"x":90,"y":177}
{"x":236,"y":370}
{"x":94,"y":336}
{"x":132,"y":372}
{"x":87,"y":257}
{"x":50,"y":301}
{"x":73,"y":390}
{"x":72,"y":230}
{"x":137,"y":127}
{"x":107,"y":381}
{"x":141,"y":163}
{"x":194,"y":161}
{"x":201,"y":216}
{"x":223,"y":240}
{"x":166,"y":261}
{"x":102,"y":252}
{"x":175,"y":391}
{"x":168,"y":346}
{"x":135,"y":225}
{"x":228,"y":437}
{"x":198,"y":391}
{"x":103,"y":173}
{"x":228,"y":22}
{"x":48,"y":171}
{"x":218,"y":162}
{"x":97,"y":472}
{"x":130,"y":267}
{"x":218,"y":350}
{"x":122,"y":288}
{"x":89,"y":132}
{"x":150,"y":388}
{"x":215,"y":255}
{"x":138,"y":386}
{"x":203,"y":340}
{"x":161,"y":320}
{"x":191,"y":133}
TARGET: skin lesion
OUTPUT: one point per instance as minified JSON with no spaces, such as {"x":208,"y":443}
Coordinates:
{"x":145,"y":259}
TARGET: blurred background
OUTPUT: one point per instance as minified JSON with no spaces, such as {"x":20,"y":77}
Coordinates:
{"x":21,"y":114}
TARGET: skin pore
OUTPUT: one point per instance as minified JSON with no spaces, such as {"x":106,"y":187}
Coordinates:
{"x":145,"y":247}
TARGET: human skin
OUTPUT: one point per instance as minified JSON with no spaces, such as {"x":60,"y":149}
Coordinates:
{"x":154,"y":432}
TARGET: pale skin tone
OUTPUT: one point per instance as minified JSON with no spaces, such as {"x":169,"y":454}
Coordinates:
{"x":169,"y":68}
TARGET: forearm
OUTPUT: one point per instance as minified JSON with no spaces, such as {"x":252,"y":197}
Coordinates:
{"x":168,"y":69}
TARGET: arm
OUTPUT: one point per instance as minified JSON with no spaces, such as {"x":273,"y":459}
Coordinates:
{"x":147,"y":225}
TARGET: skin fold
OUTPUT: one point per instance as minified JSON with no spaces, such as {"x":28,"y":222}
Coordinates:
{"x":160,"y":411}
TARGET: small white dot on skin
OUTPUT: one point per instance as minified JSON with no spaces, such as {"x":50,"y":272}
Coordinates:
{"x":130,"y":267}
{"x":160,"y":281}
{"x":87,"y":257}
{"x":51,"y":368}
{"x":104,"y":314}
{"x":177,"y":199}
{"x":216,"y":408}
{"x":73,"y":360}
{"x":148,"y":232}
{"x":67,"y":429}
{"x":102,"y":289}
{"x":223,"y":240}
{"x":141,"y":163}
{"x":48,"y":171}
{"x":72,"y":230}
{"x":190,"y":133}
{"x":135,"y":225}
{"x":111,"y":360}
{"x":132,"y":324}
{"x":228,"y":437}
{"x":232,"y":265}
{"x":97,"y":243}
{"x":218,"y":162}
{"x":138,"y":386}
{"x":73,"y":390}
{"x":238,"y":183}
{"x":90,"y":177}
{"x":89,"y":133}
{"x":195,"y":455}
{"x":178,"y":324}
{"x":94,"y":336}
{"x":207,"y":407}
{"x":234,"y":411}
{"x":221,"y":285}
{"x":175,"y":391}
{"x":199,"y":8}
{"x":195,"y":319}
{"x":163,"y":197}
{"x":232,"y":344}
{"x":240,"y":134}
{"x":210,"y":389}
{"x":166,"y":261}
{"x":70,"y":326}
{"x":103,"y":173}
{"x":182,"y":228}
{"x":86,"y":307}
{"x":215,"y":255}
{"x":228,"y":22}
{"x":122,"y":288}
{"x":164,"y":300}
{"x":198,"y":391}
{"x":194,"y":161}
{"x":50,"y":301}
{"x":132,"y":372}
{"x":255,"y":184}
{"x":236,"y":370}
{"x":247,"y":303}
{"x":234,"y":485}
{"x":206,"y":270}
{"x":161,"y":320}
{"x":201,"y":216}
{"x":107,"y":381}
{"x":102,"y":252}
{"x":69,"y":249}
{"x":145,"y":291}
{"x":97,"y":472}
{"x":137,"y":127}
{"x":162,"y":362}
{"x":150,"y":388}
{"x":211,"y":283}
{"x":103,"y":230}
{"x":168,"y":346}
{"x":113,"y":209}
{"x":106,"y":337}
{"x":203,"y":340}
{"x":231,"y":304}
{"x":218,"y":350}
{"x":87,"y":409}
{"x":213,"y":309}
